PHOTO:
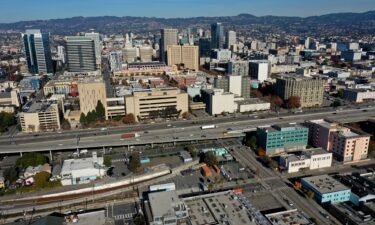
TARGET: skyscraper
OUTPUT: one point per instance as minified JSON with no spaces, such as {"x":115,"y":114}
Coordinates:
{"x":230,"y":39}
{"x":98,"y":46}
{"x":38,"y":53}
{"x":217,"y":35}
{"x":80,"y":54}
{"x":168,"y":37}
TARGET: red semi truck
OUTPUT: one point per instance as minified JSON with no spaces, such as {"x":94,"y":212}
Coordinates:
{"x":130,"y":135}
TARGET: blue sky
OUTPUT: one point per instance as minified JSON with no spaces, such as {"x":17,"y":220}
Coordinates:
{"x":16,"y":10}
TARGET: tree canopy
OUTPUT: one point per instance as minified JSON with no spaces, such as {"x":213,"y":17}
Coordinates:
{"x":134,"y":162}
{"x":6,"y":120}
{"x":129,"y":119}
{"x":294,"y":102}
{"x":209,"y":158}
{"x":31,"y":159}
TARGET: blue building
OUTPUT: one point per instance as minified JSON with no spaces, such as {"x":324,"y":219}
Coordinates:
{"x":37,"y":50}
{"x":217,"y":36}
{"x":204,"y":47}
{"x":326,"y":189}
{"x":282,"y":138}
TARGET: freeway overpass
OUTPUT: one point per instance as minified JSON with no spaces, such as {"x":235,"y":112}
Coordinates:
{"x":179,"y":131}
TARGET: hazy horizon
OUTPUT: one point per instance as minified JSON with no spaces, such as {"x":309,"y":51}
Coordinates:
{"x":19,"y":10}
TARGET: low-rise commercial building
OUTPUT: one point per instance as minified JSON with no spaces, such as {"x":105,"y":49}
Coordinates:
{"x":39,"y":116}
{"x":358,"y":95}
{"x":252,"y":105}
{"x":75,"y":171}
{"x":282,"y":138}
{"x":165,"y":208}
{"x":288,"y":217}
{"x":145,"y":69}
{"x":9,"y":101}
{"x":151,"y":103}
{"x":310,"y":159}
{"x":326,"y":189}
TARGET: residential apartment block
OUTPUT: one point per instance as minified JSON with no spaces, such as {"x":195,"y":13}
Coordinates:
{"x":309,"y":90}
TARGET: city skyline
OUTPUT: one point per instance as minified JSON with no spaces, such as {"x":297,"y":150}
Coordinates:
{"x":37,"y":10}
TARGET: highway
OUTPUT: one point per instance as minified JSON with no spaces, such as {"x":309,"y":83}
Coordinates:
{"x":178,"y":131}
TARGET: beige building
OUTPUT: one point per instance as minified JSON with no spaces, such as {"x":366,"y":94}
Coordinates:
{"x":186,"y":55}
{"x":90,"y":92}
{"x":142,"y":103}
{"x":9,"y":101}
{"x":145,"y":54}
{"x":349,"y":146}
{"x":168,"y":37}
{"x":174,"y":55}
{"x":309,"y":90}
{"x":40,"y":117}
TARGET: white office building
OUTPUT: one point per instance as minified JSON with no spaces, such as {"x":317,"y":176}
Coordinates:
{"x":307,"y":160}
{"x":259,"y":69}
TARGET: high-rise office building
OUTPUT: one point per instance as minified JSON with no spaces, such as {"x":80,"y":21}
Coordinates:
{"x":115,"y":61}
{"x":186,"y":55}
{"x":168,"y":37}
{"x":80,"y":54}
{"x":231,"y":39}
{"x":98,"y":46}
{"x":38,"y":53}
{"x":258,"y":70}
{"x":217,"y":36}
{"x":204,"y":47}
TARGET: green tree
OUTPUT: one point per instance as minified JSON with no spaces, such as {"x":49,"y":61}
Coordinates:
{"x":83,"y":119}
{"x":134,"y":162}
{"x":209,"y":158}
{"x":91,"y":117}
{"x":340,"y":93}
{"x":107,"y":161}
{"x":11,"y":174}
{"x":336,"y":103}
{"x":139,"y":219}
{"x":192,"y":150}
{"x":31,"y":159}
{"x":6,"y":120}
{"x":100,"y":111}
{"x":252,"y":142}
{"x":65,"y":125}
{"x":41,"y":179}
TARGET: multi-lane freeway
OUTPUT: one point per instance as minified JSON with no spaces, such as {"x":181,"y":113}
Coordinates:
{"x":176,"y":131}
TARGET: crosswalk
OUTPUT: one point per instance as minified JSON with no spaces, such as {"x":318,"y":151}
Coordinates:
{"x":123,"y":216}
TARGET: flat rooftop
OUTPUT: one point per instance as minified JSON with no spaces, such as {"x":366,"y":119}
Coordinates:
{"x":325,"y":184}
{"x":33,"y":107}
{"x":220,"y":208}
{"x":90,"y":218}
{"x":79,"y":164}
{"x":288,"y":217}
{"x":162,"y":203}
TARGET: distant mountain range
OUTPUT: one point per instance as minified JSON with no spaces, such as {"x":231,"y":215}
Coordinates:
{"x":339,"y":24}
